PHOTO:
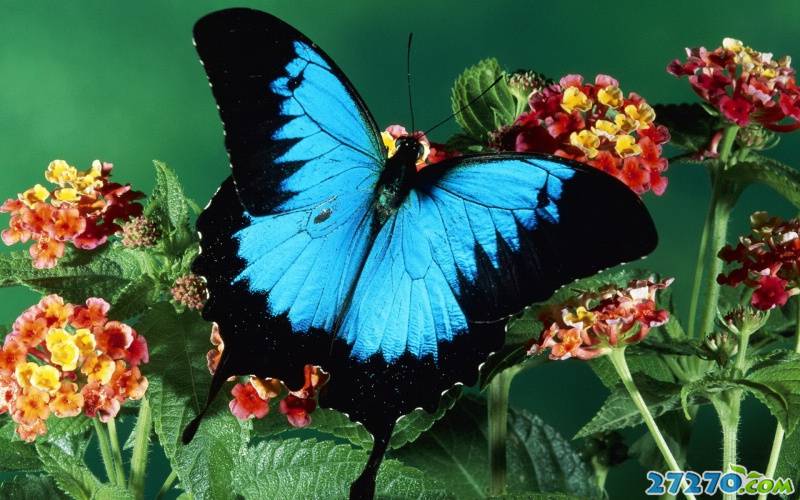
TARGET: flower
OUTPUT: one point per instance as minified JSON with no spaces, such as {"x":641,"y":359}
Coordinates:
{"x":594,"y":124}
{"x":190,"y":291}
{"x":139,"y":232}
{"x":768,"y":259}
{"x":247,"y":403}
{"x":593,"y":323}
{"x":743,"y":84}
{"x":214,"y":355}
{"x":83,"y":210}
{"x":39,"y":363}
{"x":297,"y":410}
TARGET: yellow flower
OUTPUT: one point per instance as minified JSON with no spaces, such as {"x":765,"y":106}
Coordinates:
{"x":389,"y":142}
{"x":85,"y":341}
{"x":65,"y":354}
{"x":98,"y":368}
{"x":580,"y":318}
{"x":586,"y":141}
{"x":732,"y":44}
{"x":23,"y":373}
{"x":46,"y":378}
{"x":626,"y":146}
{"x":69,"y":195}
{"x":575,"y":99}
{"x":34,"y":195}
{"x":610,"y":96}
{"x":643,"y":115}
{"x":624,"y":123}
{"x":605,"y":128}
{"x":60,"y":172}
{"x":54,"y":337}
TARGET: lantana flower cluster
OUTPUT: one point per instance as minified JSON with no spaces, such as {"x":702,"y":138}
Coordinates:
{"x":66,"y":359}
{"x":743,"y":84}
{"x":251,"y":399}
{"x":592,"y":323}
{"x":595,"y":124}
{"x":768,"y":260}
{"x":84,"y":209}
{"x":432,"y":152}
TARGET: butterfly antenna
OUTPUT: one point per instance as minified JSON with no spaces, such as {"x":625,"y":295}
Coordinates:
{"x":462,"y":108}
{"x":408,"y":74}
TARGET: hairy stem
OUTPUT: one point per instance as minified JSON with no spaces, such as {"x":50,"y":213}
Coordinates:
{"x":617,"y":357}
{"x":117,"y":452}
{"x":777,"y":441}
{"x":141,"y":443}
{"x":168,"y":482}
{"x":105,"y":451}
{"x":498,"y":428}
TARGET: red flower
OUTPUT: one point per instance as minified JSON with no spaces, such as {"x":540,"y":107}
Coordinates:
{"x":735,"y":109}
{"x":247,"y":403}
{"x":298,"y":410}
{"x":594,"y":124}
{"x":114,"y":339}
{"x":771,"y":292}
{"x":769,"y":260}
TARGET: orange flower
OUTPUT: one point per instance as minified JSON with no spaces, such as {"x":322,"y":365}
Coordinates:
{"x":213,"y":356}
{"x":99,"y":401}
{"x":67,"y":402}
{"x":12,"y":354}
{"x":98,"y":368}
{"x":55,"y":311}
{"x":68,"y":223}
{"x":46,"y":252}
{"x":129,"y":384}
{"x":30,"y":328}
{"x":31,"y":405}
{"x":28,"y":432}
{"x":114,"y":339}
{"x":92,"y":314}
{"x":8,"y":393}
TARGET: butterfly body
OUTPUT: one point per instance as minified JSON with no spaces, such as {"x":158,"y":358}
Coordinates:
{"x":322,"y":249}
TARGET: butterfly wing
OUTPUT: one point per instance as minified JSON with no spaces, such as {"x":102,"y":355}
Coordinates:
{"x":285,"y":236}
{"x":478,"y":239}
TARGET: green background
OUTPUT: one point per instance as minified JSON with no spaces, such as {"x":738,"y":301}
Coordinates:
{"x":121,"y":82}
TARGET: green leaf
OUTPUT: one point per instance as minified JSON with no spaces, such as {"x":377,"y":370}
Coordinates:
{"x":495,"y":109}
{"x":322,"y":419}
{"x":80,"y":274}
{"x":619,"y":411}
{"x":30,"y":487}
{"x":789,"y":461}
{"x":778,"y":387}
{"x":454,"y":452}
{"x":409,"y":427}
{"x":295,"y":468}
{"x":690,"y":126}
{"x":778,"y":176}
{"x":15,"y":454}
{"x":74,"y":478}
{"x":168,"y":205}
{"x":179,"y":381}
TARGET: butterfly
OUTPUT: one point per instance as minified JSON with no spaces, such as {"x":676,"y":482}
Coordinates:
{"x":321,"y":249}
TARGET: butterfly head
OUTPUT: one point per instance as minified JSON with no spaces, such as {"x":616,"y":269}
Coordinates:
{"x":410,"y":148}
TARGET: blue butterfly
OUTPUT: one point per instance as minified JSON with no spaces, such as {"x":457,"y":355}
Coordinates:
{"x":322,"y":249}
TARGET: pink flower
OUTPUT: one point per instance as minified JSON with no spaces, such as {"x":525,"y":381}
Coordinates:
{"x":247,"y":403}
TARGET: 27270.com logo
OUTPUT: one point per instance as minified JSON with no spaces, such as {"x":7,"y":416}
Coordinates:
{"x":737,"y":480}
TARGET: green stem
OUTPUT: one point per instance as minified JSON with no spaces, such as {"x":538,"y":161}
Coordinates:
{"x":498,"y":427}
{"x":702,"y":257}
{"x":105,"y":451}
{"x":117,"y":453}
{"x":726,"y":144}
{"x":777,"y":441}
{"x":617,"y":357}
{"x":141,"y":443}
{"x":168,"y":482}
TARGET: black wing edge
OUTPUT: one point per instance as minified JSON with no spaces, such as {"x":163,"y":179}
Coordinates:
{"x":242,"y":51}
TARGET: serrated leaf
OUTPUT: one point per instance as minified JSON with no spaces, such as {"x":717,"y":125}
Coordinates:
{"x":690,"y":126}
{"x":168,"y":204}
{"x":454,"y":451}
{"x":778,"y":387}
{"x":78,"y":275}
{"x":409,"y":427}
{"x":778,"y":176}
{"x":74,"y":478}
{"x":493,"y":110}
{"x":179,"y":381}
{"x":30,"y":487}
{"x":619,"y":410}
{"x":295,"y":468}
{"x":789,"y":461}
{"x":16,"y":455}
{"x":322,"y":419}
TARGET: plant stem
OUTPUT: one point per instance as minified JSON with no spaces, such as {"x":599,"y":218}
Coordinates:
{"x":498,"y":428}
{"x":105,"y":451}
{"x":777,"y":441}
{"x":702,"y":257}
{"x":168,"y":482}
{"x":141,"y":442}
{"x":726,"y":144}
{"x":115,"y":449}
{"x":617,"y":357}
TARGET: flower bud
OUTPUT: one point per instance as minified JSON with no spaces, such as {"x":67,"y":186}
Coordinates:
{"x":720,"y":346}
{"x":139,"y":232}
{"x":190,"y":290}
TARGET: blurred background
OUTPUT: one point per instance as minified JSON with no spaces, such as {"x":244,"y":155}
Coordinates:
{"x":121,"y":82}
